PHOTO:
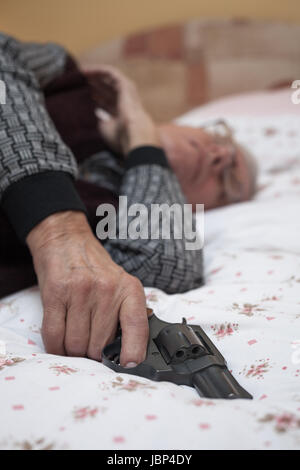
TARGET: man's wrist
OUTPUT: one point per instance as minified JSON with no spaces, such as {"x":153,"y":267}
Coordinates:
{"x":142,"y":141}
{"x":56,"y":227}
{"x":141,"y":131}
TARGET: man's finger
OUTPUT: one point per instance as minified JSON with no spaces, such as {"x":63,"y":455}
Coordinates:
{"x":103,"y":328}
{"x":53,"y":328}
{"x":135,"y":330}
{"x":108,"y":127}
{"x":77,"y":327}
{"x":102,"y":114}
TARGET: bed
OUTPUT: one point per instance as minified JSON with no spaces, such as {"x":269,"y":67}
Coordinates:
{"x":249,"y":306}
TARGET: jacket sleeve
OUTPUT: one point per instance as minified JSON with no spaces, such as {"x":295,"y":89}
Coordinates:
{"x":160,"y":262}
{"x":36,"y":167}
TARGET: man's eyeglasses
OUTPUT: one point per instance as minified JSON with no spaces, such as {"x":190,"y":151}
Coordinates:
{"x":223,"y":136}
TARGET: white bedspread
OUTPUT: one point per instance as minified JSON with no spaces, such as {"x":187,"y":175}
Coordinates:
{"x":250,"y":307}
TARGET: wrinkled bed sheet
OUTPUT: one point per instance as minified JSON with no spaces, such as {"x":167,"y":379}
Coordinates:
{"x":250,"y":307}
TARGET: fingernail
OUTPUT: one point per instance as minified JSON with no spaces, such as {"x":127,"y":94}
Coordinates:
{"x":102,"y":114}
{"x":129,"y":365}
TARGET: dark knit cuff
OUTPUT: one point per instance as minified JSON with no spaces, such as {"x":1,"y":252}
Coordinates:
{"x":146,"y":155}
{"x":33,"y":198}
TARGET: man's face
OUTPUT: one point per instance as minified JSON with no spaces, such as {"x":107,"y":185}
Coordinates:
{"x":211,"y":170}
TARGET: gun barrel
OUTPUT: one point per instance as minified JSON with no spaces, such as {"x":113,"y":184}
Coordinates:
{"x":217,"y":382}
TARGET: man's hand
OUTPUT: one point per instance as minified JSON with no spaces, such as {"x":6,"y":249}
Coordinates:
{"x":127,"y":125}
{"x":84,"y":293}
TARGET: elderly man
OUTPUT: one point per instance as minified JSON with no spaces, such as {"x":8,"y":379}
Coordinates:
{"x":48,"y":128}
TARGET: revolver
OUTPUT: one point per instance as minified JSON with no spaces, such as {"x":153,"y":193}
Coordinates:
{"x":182,"y":354}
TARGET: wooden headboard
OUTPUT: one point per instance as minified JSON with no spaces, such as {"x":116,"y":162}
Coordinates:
{"x":181,"y":66}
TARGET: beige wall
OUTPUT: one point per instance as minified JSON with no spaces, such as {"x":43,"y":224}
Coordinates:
{"x":79,"y":24}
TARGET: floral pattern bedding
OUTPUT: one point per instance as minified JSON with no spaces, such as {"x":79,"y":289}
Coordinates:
{"x":250,"y":308}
